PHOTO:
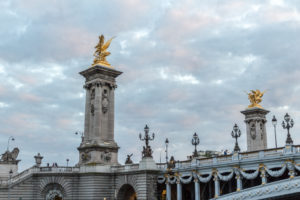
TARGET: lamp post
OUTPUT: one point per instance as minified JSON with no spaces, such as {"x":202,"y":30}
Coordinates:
{"x":167,"y":144}
{"x":236,"y":133}
{"x":68,"y":161}
{"x":195,"y":142}
{"x":11,"y":138}
{"x":274,"y":122}
{"x":147,"y":151}
{"x":10,"y":175}
{"x":289,"y":123}
{"x":80,"y":133}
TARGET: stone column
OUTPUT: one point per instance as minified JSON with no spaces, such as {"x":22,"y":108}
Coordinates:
{"x":291,"y":169}
{"x":263,"y":176}
{"x":111,"y":113}
{"x":217,"y":185}
{"x":168,"y":187}
{"x":87,"y":87}
{"x":239,"y":185}
{"x":197,"y":189}
{"x":97,"y":116}
{"x":99,"y":146}
{"x":179,"y":190}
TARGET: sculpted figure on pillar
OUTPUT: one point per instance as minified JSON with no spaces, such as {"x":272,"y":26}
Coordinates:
{"x":128,"y":159}
{"x":10,"y":156}
{"x":255,"y":98}
{"x":101,"y":52}
{"x":171,"y":163}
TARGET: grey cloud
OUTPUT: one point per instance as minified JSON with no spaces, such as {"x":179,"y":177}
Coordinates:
{"x":226,"y":52}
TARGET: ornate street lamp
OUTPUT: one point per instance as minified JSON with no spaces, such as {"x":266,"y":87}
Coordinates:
{"x":289,"y":123}
{"x":68,"y":161}
{"x":82,"y":135}
{"x":236,"y":133}
{"x":10,"y":138}
{"x":147,"y":151}
{"x":274,"y":122}
{"x":195,"y":142}
{"x":167,"y":144}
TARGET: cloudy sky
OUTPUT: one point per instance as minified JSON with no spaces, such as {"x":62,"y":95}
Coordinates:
{"x":186,"y":64}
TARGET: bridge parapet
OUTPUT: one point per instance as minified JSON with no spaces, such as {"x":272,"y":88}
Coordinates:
{"x":241,"y":157}
{"x":231,"y":173}
{"x":280,"y":188}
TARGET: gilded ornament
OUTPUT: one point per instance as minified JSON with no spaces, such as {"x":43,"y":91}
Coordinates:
{"x":101,"y":52}
{"x":255,"y":98}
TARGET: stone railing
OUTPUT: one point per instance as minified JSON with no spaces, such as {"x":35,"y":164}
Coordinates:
{"x":125,"y":168}
{"x":58,"y":169}
{"x":243,"y":156}
{"x":19,"y":176}
{"x":266,"y":165}
{"x":223,"y":159}
{"x":37,"y":170}
{"x":161,"y":166}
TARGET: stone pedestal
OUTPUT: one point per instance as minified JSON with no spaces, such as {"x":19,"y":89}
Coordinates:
{"x":98,"y":145}
{"x":6,"y":168}
{"x":147,"y":163}
{"x":255,"y":119}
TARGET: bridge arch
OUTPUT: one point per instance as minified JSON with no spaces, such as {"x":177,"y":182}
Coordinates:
{"x":54,"y":188}
{"x":127,"y":192}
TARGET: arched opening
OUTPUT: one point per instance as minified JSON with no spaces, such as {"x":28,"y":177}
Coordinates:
{"x":127,"y":192}
{"x":53,"y":191}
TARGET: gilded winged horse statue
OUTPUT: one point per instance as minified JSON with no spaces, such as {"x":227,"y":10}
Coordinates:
{"x":101,"y":52}
{"x":255,"y":98}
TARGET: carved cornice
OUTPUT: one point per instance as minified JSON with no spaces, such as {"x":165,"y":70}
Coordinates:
{"x":96,"y":147}
{"x":99,"y":71}
{"x":99,"y":83}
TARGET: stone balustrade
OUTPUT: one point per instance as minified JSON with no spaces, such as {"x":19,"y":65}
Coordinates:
{"x":271,"y":163}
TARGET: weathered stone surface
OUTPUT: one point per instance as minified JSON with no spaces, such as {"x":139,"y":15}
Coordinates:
{"x":147,"y":163}
{"x":255,"y":119}
{"x":98,"y":145}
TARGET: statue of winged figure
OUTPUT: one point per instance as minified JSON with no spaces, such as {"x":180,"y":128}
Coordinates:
{"x":101,"y":51}
{"x":255,"y":98}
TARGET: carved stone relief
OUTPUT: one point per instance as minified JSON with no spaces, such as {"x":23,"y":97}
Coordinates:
{"x":85,"y":156}
{"x":104,"y":101}
{"x":253,"y":131}
{"x":93,"y":94}
{"x":261,"y":130}
{"x":106,"y":156}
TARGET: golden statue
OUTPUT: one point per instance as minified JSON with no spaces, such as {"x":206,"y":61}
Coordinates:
{"x":255,"y":98}
{"x":101,"y":52}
